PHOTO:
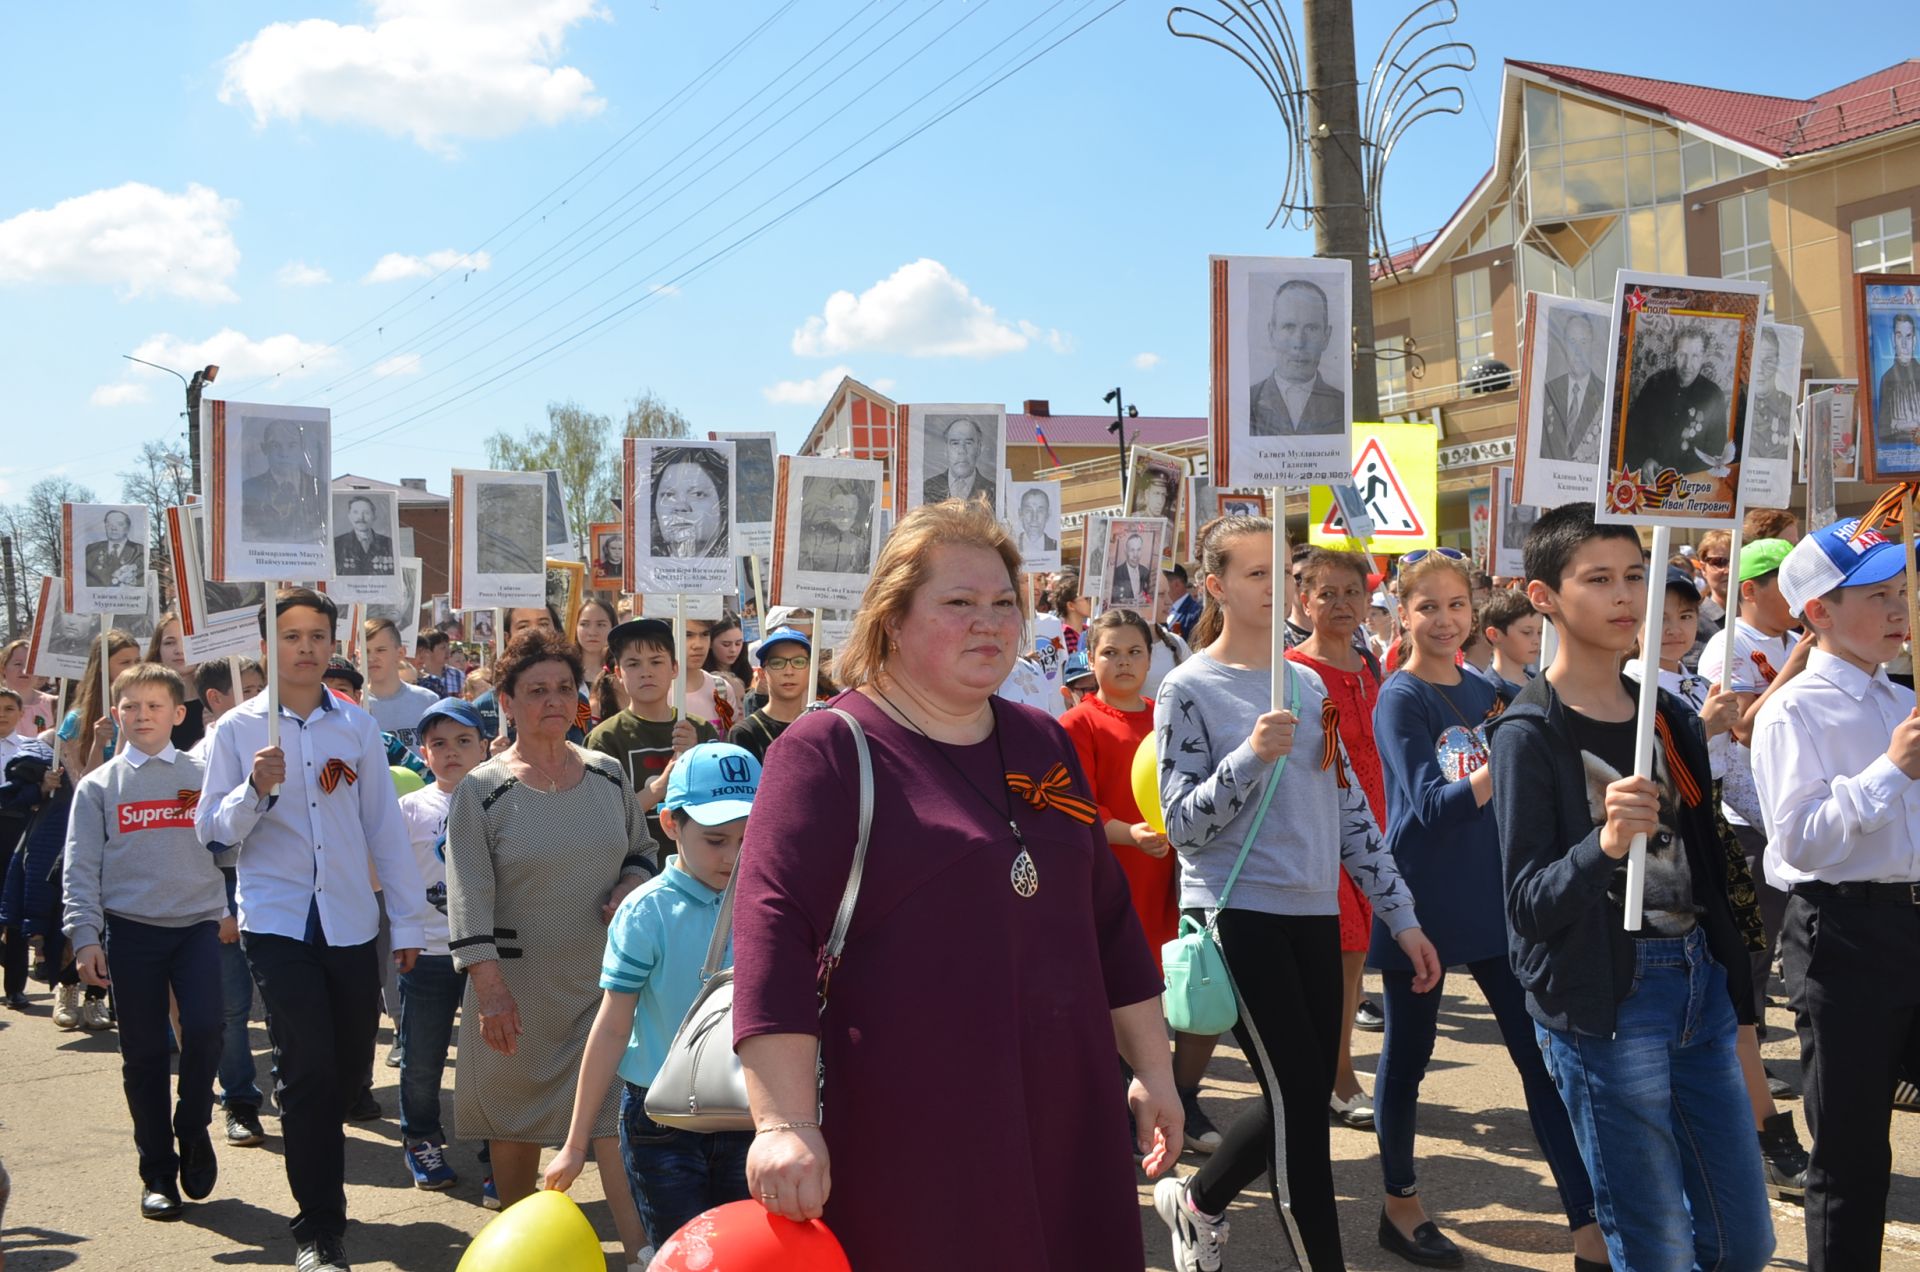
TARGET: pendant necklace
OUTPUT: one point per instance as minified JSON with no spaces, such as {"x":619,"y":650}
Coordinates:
{"x":1024,"y":877}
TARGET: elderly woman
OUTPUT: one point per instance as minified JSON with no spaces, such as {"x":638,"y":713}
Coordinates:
{"x":543,"y":840}
{"x":983,"y":850}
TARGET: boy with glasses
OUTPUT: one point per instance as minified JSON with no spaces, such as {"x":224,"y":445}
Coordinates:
{"x":784,"y":657}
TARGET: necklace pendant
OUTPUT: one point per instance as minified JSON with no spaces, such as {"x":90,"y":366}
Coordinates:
{"x":1026,"y":879}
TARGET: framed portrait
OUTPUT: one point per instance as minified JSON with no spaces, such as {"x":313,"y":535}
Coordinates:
{"x":753,"y":476}
{"x":1562,"y":392}
{"x":1235,"y":503}
{"x":366,"y":556}
{"x":1281,"y":402}
{"x":440,"y":612}
{"x":104,"y":547}
{"x":1201,"y":505}
{"x":1479,"y":512}
{"x":1677,"y":362}
{"x":1129,"y":565}
{"x":566,"y":590}
{"x":499,"y":536}
{"x":608,"y":546}
{"x":61,"y":640}
{"x":1034,"y":507}
{"x":1831,"y":404}
{"x":827,"y":530}
{"x":483,"y":626}
{"x":1507,"y":526}
{"x":268,"y":474}
{"x":952,"y":452}
{"x":560,"y":544}
{"x":1766,"y":469}
{"x":216,"y":619}
{"x":1886,"y":311}
{"x":405,"y":613}
{"x":678,"y":516}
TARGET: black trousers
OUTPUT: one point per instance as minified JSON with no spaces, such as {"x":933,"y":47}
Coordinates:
{"x":145,"y":961}
{"x":1849,"y":967}
{"x":1286,"y":973}
{"x":323,"y":1009}
{"x":1773,"y":913}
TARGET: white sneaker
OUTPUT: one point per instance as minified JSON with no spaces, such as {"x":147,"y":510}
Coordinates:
{"x":1197,"y":1239}
{"x":66,"y":1006}
{"x":94,"y":1014}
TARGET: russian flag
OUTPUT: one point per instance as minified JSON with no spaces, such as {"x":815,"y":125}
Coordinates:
{"x":1040,"y":435}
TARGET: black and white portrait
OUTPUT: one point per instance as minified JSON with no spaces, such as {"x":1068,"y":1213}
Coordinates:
{"x":559,"y":534}
{"x":1771,"y":392}
{"x":1680,"y":400}
{"x":1036,"y":523}
{"x":106,"y":546}
{"x":753,"y":463}
{"x":566,"y":589}
{"x":405,"y":615}
{"x":1243,"y":505}
{"x":223,"y":600}
{"x":1508,"y":523}
{"x":512,"y":525}
{"x":1290,"y":328}
{"x":1283,"y":367}
{"x":71,"y":635}
{"x":480,"y":626}
{"x":1574,"y":393}
{"x":1132,"y":562}
{"x":283,"y":497}
{"x":689,"y":490}
{"x":365,"y":521}
{"x":960,"y":452}
{"x":142,"y":623}
{"x":836,"y":525}
{"x":116,"y":557}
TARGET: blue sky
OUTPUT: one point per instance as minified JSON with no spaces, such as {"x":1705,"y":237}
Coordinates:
{"x":269,"y":185}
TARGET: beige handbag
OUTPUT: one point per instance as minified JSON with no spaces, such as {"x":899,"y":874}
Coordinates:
{"x":700,"y":1086}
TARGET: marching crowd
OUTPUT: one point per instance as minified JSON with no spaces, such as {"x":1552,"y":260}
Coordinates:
{"x":537,"y":851}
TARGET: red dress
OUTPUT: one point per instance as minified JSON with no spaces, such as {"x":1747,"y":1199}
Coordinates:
{"x":1105,"y":739}
{"x":1353,"y":694}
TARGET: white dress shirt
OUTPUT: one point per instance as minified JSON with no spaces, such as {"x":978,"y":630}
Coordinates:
{"x":310,"y":847}
{"x":1757,"y":659}
{"x":1837,"y":809}
{"x":136,"y":757}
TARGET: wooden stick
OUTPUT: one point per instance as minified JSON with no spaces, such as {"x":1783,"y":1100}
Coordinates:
{"x":106,"y":675}
{"x":1733,"y":605}
{"x":234,"y":693}
{"x":273,"y":672}
{"x":679,"y":652}
{"x":1644,"y":732}
{"x":1281,"y":672}
{"x":1910,"y":541}
{"x":759,"y":594}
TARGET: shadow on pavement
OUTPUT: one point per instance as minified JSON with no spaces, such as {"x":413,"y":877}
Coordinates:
{"x":36,"y":1249}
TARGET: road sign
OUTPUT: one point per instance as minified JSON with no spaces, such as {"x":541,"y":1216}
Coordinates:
{"x":1396,"y":472}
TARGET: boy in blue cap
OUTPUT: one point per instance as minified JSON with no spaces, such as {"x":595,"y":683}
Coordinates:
{"x":785,"y":658}
{"x":656,"y":946}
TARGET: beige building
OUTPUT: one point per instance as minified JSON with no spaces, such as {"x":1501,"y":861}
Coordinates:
{"x":1595,"y":171}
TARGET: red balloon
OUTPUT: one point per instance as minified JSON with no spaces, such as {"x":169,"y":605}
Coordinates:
{"x":742,"y":1236}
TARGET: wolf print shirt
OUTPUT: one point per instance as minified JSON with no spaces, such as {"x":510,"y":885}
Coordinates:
{"x":1606,"y":754}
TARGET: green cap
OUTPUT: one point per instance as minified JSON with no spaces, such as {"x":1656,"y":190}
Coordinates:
{"x":1762,"y":556}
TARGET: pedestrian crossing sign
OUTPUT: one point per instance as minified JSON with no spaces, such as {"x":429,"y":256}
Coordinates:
{"x":1396,"y":472}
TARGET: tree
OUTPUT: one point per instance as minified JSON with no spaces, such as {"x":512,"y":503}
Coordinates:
{"x":161,"y":478}
{"x":34,"y":526}
{"x":648,"y":416}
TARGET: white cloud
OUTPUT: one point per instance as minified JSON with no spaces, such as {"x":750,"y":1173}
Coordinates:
{"x":142,"y":240}
{"x":398,"y":364}
{"x":816,"y":390}
{"x":432,"y":70}
{"x":120,"y":395}
{"x":236,"y":354}
{"x":1146,"y":361}
{"x":301,"y":274}
{"x":920,"y":310}
{"x":395,"y":266}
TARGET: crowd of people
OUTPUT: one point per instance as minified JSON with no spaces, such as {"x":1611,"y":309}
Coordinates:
{"x":522,"y":861}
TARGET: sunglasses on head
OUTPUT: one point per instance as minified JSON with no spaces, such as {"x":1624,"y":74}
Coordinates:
{"x":1420,"y":554}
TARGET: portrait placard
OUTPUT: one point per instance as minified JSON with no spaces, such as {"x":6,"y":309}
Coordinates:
{"x":678,"y":516}
{"x":706,"y":609}
{"x":406,"y":612}
{"x":1280,"y":407}
{"x":952,"y":452}
{"x":142,"y":623}
{"x":483,"y":626}
{"x":1816,"y":457}
{"x":366,"y":558}
{"x":499,"y":535}
{"x":1156,"y":484}
{"x":61,"y":641}
{"x":268,"y":470}
{"x":1479,"y":510}
{"x":207,"y":633}
{"x":1680,"y":349}
{"x":104,"y":547}
{"x":1035,"y":506}
{"x":753,"y":477}
{"x":607,"y":543}
{"x":1202,"y":506}
{"x":1562,"y":392}
{"x":1832,"y":403}
{"x":1129,"y":566}
{"x":1766,"y":468}
{"x":1886,"y":310}
{"x":1240,"y":503}
{"x":826,"y":530}
{"x":566,"y":591}
{"x":1507,"y":526}
{"x":560,"y":544}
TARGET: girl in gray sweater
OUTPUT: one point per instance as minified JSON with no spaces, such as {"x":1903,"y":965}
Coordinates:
{"x":1220,"y":744}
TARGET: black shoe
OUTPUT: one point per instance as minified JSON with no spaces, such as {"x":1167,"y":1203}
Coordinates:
{"x":159,"y":1203}
{"x":365,"y":1109}
{"x":1591,"y":1265}
{"x":1785,"y":1160}
{"x":1367,"y":1017}
{"x":16,"y":1001}
{"x":324,"y":1255}
{"x":1779,"y":1088}
{"x":1428,"y":1246}
{"x":198,"y":1166}
{"x":243,"y":1126}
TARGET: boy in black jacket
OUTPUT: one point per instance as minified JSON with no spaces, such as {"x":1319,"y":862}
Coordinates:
{"x":1638,"y":1027}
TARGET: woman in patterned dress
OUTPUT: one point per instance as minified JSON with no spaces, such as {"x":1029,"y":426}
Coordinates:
{"x":543,"y":841}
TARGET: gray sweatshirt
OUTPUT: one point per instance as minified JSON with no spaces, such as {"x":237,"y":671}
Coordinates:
{"x":1211,"y":784}
{"x":132,"y":850}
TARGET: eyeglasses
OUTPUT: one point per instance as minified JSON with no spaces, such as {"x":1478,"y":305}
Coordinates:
{"x":1420,"y":554}
{"x":781,"y":664}
{"x":1718,"y":563}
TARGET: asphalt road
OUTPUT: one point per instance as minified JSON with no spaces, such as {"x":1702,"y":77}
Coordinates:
{"x":64,"y":1136}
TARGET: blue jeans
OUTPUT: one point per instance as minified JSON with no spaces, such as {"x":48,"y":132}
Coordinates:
{"x":239,"y":1081}
{"x":429,"y":996}
{"x":676,"y":1175}
{"x":1406,"y":1048}
{"x":1662,"y":1118}
{"x":145,"y":961}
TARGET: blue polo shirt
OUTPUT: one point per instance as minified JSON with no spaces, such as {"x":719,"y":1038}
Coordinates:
{"x":656,"y":946}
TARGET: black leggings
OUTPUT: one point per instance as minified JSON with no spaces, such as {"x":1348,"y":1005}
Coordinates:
{"x":1286,"y":971}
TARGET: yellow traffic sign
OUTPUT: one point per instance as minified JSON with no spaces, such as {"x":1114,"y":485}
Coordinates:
{"x":1396,"y":473}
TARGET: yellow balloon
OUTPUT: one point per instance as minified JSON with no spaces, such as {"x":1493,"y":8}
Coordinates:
{"x":1146,"y":784}
{"x":542,"y":1233}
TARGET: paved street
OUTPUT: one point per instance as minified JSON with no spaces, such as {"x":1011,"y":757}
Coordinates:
{"x":64,"y":1135}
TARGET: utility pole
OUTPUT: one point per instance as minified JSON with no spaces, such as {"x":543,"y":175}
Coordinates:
{"x":1340,"y":223}
{"x":13,"y":600}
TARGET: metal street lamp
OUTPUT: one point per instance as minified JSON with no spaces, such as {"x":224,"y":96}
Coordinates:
{"x":201,"y":378}
{"x":1121,"y":414}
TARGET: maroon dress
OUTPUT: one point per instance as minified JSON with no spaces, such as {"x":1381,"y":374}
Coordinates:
{"x":973,"y":1091}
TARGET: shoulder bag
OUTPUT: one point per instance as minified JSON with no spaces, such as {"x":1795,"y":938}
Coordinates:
{"x":700,"y":1086}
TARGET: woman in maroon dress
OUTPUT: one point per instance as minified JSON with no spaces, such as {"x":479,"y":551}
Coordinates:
{"x":991,"y":973}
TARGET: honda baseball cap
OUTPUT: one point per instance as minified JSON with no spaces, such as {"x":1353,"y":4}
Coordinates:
{"x":1762,"y":556}
{"x":1841,"y":555}
{"x":713,"y":783}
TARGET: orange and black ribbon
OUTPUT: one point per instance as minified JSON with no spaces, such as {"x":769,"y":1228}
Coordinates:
{"x":1330,"y":741}
{"x":1055,"y":790}
{"x":583,"y":717}
{"x":1683,"y":779}
{"x":331,"y":775}
{"x":1767,"y":672}
{"x":1889,"y":509}
{"x":189,"y":800}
